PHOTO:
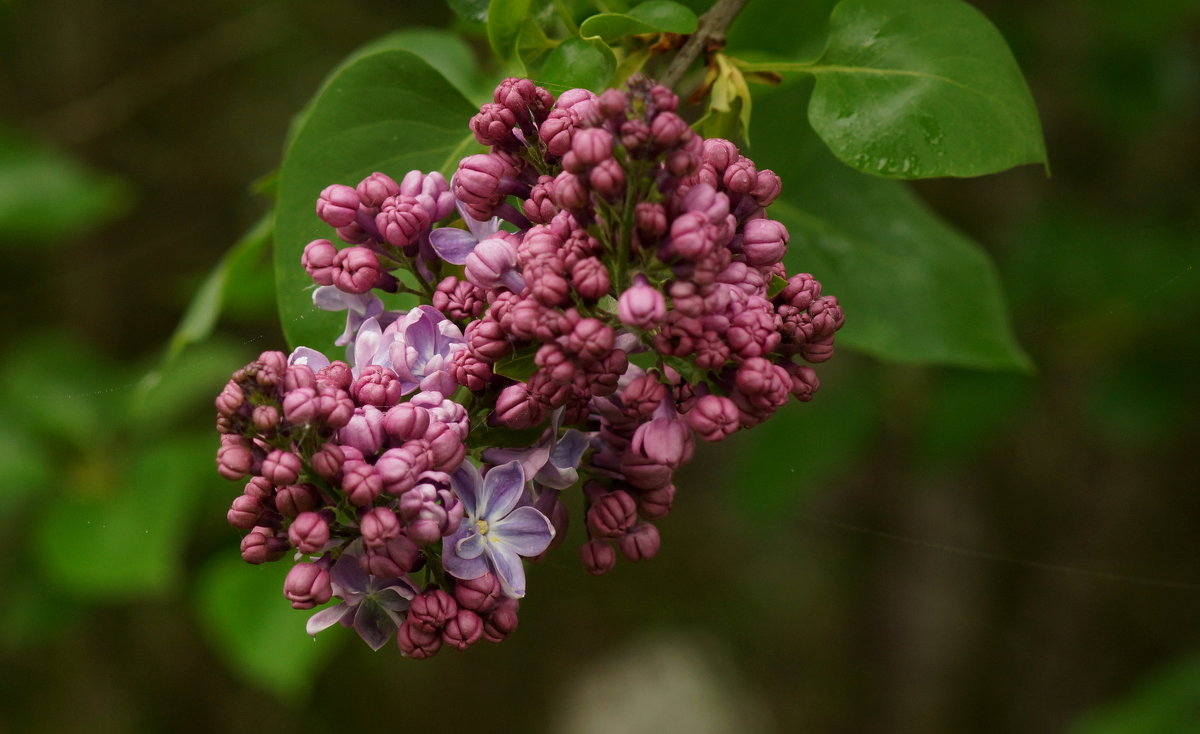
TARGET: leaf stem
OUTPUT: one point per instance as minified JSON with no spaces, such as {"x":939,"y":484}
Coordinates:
{"x":710,"y":28}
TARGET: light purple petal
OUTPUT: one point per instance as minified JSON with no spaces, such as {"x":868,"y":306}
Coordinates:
{"x":366,"y":344}
{"x":470,"y":545}
{"x":502,"y":487}
{"x":347,"y":575}
{"x":509,"y":569}
{"x":532,"y":459}
{"x":310,"y":357}
{"x":395,"y":598}
{"x":373,"y":624}
{"x":452,"y":244}
{"x":466,"y":483}
{"x":569,"y":449}
{"x":326,"y":618}
{"x":526,"y":531}
{"x":329,"y":298}
{"x":455,"y":565}
{"x":554,"y":478}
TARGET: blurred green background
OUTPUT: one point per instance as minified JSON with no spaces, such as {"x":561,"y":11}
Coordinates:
{"x":918,"y":550}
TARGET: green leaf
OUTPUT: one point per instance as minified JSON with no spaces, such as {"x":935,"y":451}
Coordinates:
{"x":121,"y":533}
{"x":384,"y":109}
{"x":921,"y":88}
{"x":1164,"y":703}
{"x":256,"y":631}
{"x":579,"y":62}
{"x":504,"y":21}
{"x":728,"y":103}
{"x":204,"y":310}
{"x":913,"y":289}
{"x":518,"y":365}
{"x":655,"y":16}
{"x":46,"y":195}
{"x":686,"y":368}
{"x":472,"y":11}
{"x":445,"y":51}
{"x":28,"y":467}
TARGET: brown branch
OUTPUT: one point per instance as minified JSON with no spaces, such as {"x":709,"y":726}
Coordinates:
{"x":710,"y":27}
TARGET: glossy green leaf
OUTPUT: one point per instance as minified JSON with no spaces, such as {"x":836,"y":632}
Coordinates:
{"x":472,"y":11}
{"x":504,"y":21}
{"x":655,"y":16}
{"x":256,"y":631}
{"x":120,"y":533}
{"x":385,"y":110}
{"x":46,"y":195}
{"x":913,"y":289}
{"x":579,"y":62}
{"x":921,"y":88}
{"x":518,"y":365}
{"x":445,"y":51}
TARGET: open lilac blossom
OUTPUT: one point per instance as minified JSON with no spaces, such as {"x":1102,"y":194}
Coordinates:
{"x":551,"y":462}
{"x":369,"y":605}
{"x":453,"y":244}
{"x":421,"y":352}
{"x":497,"y":530}
{"x":358,"y":308}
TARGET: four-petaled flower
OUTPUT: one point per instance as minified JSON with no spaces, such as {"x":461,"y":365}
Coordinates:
{"x":370,"y":605}
{"x":497,"y":529}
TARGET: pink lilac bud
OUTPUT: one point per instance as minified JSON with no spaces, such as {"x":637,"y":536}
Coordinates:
{"x":613,"y":103}
{"x":318,"y":259}
{"x":552,"y":359}
{"x":374,"y":189}
{"x":394,"y":558}
{"x":691,"y":235}
{"x":556,"y":132}
{"x":611,"y":515}
{"x":361,"y":482}
{"x":522,"y":97}
{"x":592,"y":145}
{"x":643,"y":472}
{"x":295,"y":499}
{"x":469,"y":371}
{"x":766,"y":188}
{"x":431,"y":511}
{"x":581,"y":103}
{"x":651,"y":218}
{"x":446,"y":448}
{"x":547,"y":285}
{"x":719,"y":153}
{"x":501,"y":621}
{"x":804,"y":381}
{"x":493,"y":263}
{"x":764,"y":241}
{"x":463,"y":629}
{"x":655,"y":503}
{"x":337,"y":406}
{"x":540,"y":206}
{"x":480,"y":594}
{"x":301,"y":406}
{"x":570,"y":192}
{"x":338,"y":205}
{"x":417,"y":643}
{"x":635,"y":134}
{"x":259,"y":546}
{"x":245,"y":511}
{"x":515,"y":407}
{"x":598,"y":557}
{"x":740,"y":176}
{"x":356,"y":270}
{"x":298,"y":376}
{"x":309,"y":532}
{"x":642,"y":306}
{"x":608,"y":179}
{"x":590,"y":278}
{"x":307,"y":585}
{"x":494,"y":124}
{"x":230,"y":399}
{"x":432,"y":609}
{"x":259,"y":487}
{"x":378,"y":526}
{"x":459,"y":299}
{"x":399,"y":468}
{"x":336,"y":374}
{"x":591,"y":339}
{"x":378,"y":386}
{"x":405,"y":422}
{"x":402,"y":220}
{"x":669,"y":129}
{"x":663,"y":99}
{"x":640,"y":543}
{"x":713,"y":417}
{"x":365,"y":430}
{"x":666,"y":439}
{"x":486,"y":340}
{"x":235,"y":459}
{"x":326,"y":462}
{"x":477,"y":184}
{"x":281,"y":467}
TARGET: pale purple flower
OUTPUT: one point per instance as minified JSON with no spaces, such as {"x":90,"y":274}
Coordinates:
{"x":497,"y":530}
{"x":421,"y":350}
{"x":358,"y":309}
{"x":371,"y":606}
{"x":453,"y":244}
{"x":552,"y":461}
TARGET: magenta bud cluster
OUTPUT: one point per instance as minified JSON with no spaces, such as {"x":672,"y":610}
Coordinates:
{"x":601,"y":291}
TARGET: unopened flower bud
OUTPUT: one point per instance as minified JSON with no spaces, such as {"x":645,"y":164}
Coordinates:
{"x":260,"y":547}
{"x":307,"y":585}
{"x":611,"y":515}
{"x":640,"y":543}
{"x":598,"y":557}
{"x":592,"y":145}
{"x":245,"y":511}
{"x":295,"y":499}
{"x":417,"y":643}
{"x":590,"y":278}
{"x":281,"y":467}
{"x":309,"y":532}
{"x":642,"y":306}
{"x":393,"y":559}
{"x":356,"y":270}
{"x":361,"y":482}
{"x":327,"y":461}
{"x":378,"y":526}
{"x":501,"y":621}
{"x":653,"y":504}
{"x":432,"y":609}
{"x":764,"y":241}
{"x":463,"y":629}
{"x":318,"y":260}
{"x":479,"y":594}
{"x":338,"y":205}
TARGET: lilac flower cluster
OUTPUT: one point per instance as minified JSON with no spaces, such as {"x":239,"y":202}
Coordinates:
{"x":614,"y":292}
